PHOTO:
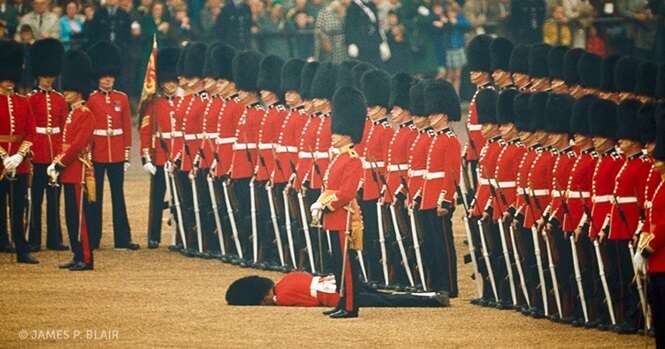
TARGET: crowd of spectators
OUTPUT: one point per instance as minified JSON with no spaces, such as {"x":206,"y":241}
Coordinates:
{"x":423,"y":37}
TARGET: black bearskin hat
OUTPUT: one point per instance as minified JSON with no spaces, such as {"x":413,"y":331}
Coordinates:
{"x":46,"y":57}
{"x":647,"y":123}
{"x":486,"y":106}
{"x":570,"y":62}
{"x":627,"y":122}
{"x":607,"y":73}
{"x":306,"y":77}
{"x":376,"y":88}
{"x":500,"y":51}
{"x":589,"y":69}
{"x":537,"y":108}
{"x":400,"y":85}
{"x":270,"y":74}
{"x":358,"y":71}
{"x":579,"y":120}
{"x":646,"y":79}
{"x":603,"y":119}
{"x":291,"y":74}
{"x":348,"y":113}
{"x":538,"y":61}
{"x":505,"y":112}
{"x":625,"y":74}
{"x":344,"y":76}
{"x":11,"y":61}
{"x":441,"y":98}
{"x":522,"y":112}
{"x":219,"y":64}
{"x":555,"y":59}
{"x":478,"y":54}
{"x":167,"y":59}
{"x":180,"y":65}
{"x":417,"y":98}
{"x":323,"y":84}
{"x":519,"y":60}
{"x":659,"y":152}
{"x":558,"y":112}
{"x":249,"y":290}
{"x":106,"y":60}
{"x":195,"y":60}
{"x":246,"y":70}
{"x":77,"y":72}
{"x":660,"y":88}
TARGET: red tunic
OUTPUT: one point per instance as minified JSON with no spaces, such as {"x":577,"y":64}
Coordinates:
{"x":505,"y":176}
{"x":302,"y":289}
{"x":418,"y":161}
{"x":487,"y":163}
{"x":50,"y":110}
{"x":476,"y":140}
{"x":373,"y":156}
{"x":227,"y":125}
{"x":561,"y":172}
{"x":651,"y":181}
{"x":539,"y":184}
{"x":209,"y":133}
{"x":604,"y":173}
{"x":17,"y":127}
{"x":313,"y":151}
{"x":156,"y":130}
{"x":76,"y":141}
{"x":113,"y":126}
{"x":247,"y":135}
{"x":522,"y":182}
{"x":443,"y":170}
{"x":286,"y":148}
{"x":397,"y":159}
{"x":306,"y":152}
{"x":268,"y":134}
{"x":657,"y":219}
{"x":625,"y":213}
{"x":578,"y":191}
{"x":342,"y":178}
{"x":190,"y":114}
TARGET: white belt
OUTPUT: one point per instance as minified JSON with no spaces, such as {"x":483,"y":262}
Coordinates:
{"x":507,"y":184}
{"x":601,"y":198}
{"x":556,"y":193}
{"x":417,"y":173}
{"x":434,"y":175}
{"x":373,"y":164}
{"x":398,"y":167}
{"x":286,"y":149}
{"x":578,"y":194}
{"x":520,"y":191}
{"x":313,"y":155}
{"x":483,"y":181}
{"x":474,"y":127}
{"x":265,"y":146}
{"x":47,"y":130}
{"x":244,"y":146}
{"x":193,"y":136}
{"x":539,"y":192}
{"x":625,"y":200}
{"x":209,"y":135}
{"x":108,"y":132}
{"x":648,"y":204}
{"x":226,"y":140}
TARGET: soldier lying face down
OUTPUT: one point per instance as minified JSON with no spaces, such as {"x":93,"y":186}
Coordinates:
{"x":302,"y":289}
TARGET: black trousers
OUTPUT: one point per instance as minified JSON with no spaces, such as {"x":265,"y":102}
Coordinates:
{"x":351,"y":283}
{"x":598,"y":298}
{"x":240,"y":188}
{"x":369,"y":297}
{"x":565,"y":271}
{"x":371,"y":245}
{"x":78,"y":223}
{"x":156,"y":205}
{"x":40,"y":181}
{"x":322,"y":255}
{"x":267,"y":238}
{"x":622,"y":288}
{"x":122,"y":235}
{"x":184,"y":186}
{"x":657,"y":301}
{"x":14,"y":191}
{"x":227,"y":230}
{"x":208,"y":230}
{"x":396,"y":261}
{"x":4,"y":235}
{"x":439,"y":253}
{"x":492,"y":236}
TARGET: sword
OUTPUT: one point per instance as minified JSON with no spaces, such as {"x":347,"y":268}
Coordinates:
{"x":382,"y":243}
{"x":578,"y":277}
{"x":462,"y":189}
{"x":178,"y":211}
{"x":638,"y":279}
{"x":252,"y":210}
{"x":486,"y":257}
{"x":218,"y":221}
{"x":275,"y":226}
{"x":305,"y":227}
{"x":29,"y":211}
{"x":232,"y":220}
{"x":506,"y":257}
{"x":172,"y":221}
{"x":400,"y":244}
{"x":289,"y":232}
{"x":539,"y":264}
{"x":603,"y":280}
{"x":197,"y":211}
{"x":519,"y":266}
{"x":362,"y":264}
{"x":555,"y":282}
{"x":416,"y":246}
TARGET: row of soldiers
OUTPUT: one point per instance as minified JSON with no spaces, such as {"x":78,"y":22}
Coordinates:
{"x":42,"y":145}
{"x":567,"y":151}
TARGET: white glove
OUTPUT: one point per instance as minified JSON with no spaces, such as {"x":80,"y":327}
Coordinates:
{"x":148,"y":167}
{"x":168,"y":167}
{"x":423,"y":11}
{"x":12,"y":162}
{"x":52,"y":172}
{"x":317,"y":213}
{"x":640,"y":262}
{"x":126,"y":165}
{"x":384,"y":50}
{"x":353,"y":51}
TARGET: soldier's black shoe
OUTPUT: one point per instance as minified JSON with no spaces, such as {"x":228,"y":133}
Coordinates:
{"x":566,"y":320}
{"x":554,"y":317}
{"x":80,"y":266}
{"x":603,"y":326}
{"x":60,"y":247}
{"x":175,"y":248}
{"x":67,"y":265}
{"x":35,"y":248}
{"x":152,"y":244}
{"x":26,"y":258}
{"x":477,"y":301}
{"x":536,"y":313}
{"x":7,"y":249}
{"x":133,"y":246}
{"x":343,"y":314}
{"x":331,"y":311}
{"x":652,"y":332}
{"x":373,"y":284}
{"x":502,"y":305}
{"x":442,"y":298}
{"x":623,"y":329}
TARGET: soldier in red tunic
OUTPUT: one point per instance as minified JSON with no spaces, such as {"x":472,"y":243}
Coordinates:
{"x":439,"y":186}
{"x":112,"y":143}
{"x":50,"y":110}
{"x":73,"y":165}
{"x":337,"y":207}
{"x":16,"y":137}
{"x":157,"y":139}
{"x":300,"y":289}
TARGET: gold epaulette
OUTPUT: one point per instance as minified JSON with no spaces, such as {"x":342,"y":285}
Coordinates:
{"x":146,"y":121}
{"x":327,"y":198}
{"x":645,"y":239}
